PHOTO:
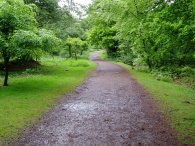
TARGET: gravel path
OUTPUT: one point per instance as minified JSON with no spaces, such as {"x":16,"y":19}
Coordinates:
{"x":109,"y":109}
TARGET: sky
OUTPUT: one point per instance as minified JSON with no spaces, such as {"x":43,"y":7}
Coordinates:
{"x":82,"y":2}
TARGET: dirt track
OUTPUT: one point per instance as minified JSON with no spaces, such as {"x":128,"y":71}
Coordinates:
{"x":109,"y":109}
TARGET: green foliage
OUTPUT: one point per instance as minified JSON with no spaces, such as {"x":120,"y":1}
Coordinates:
{"x":29,"y":45}
{"x":53,"y":17}
{"x":145,"y":33}
{"x":49,"y":40}
{"x":19,"y":34}
{"x":14,"y":16}
{"x":47,"y":10}
{"x":186,"y":71}
{"x":103,"y":36}
{"x":76,"y":45}
{"x":25,"y":44}
{"x":76,"y":31}
{"x":102,"y":33}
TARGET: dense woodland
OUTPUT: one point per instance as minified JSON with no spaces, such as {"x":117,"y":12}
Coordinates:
{"x":150,"y":35}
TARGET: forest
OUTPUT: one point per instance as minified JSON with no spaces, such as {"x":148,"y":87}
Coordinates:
{"x":154,"y":36}
{"x":45,"y":46}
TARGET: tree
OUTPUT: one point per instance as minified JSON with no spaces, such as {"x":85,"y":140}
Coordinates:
{"x":47,"y":11}
{"x":151,"y":33}
{"x":19,"y":35}
{"x":53,"y":17}
{"x":75,"y":45}
{"x":104,"y":36}
{"x":14,"y":15}
{"x":102,"y":33}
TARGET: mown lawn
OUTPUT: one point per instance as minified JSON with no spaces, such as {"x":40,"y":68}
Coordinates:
{"x":177,"y":103}
{"x":32,"y":92}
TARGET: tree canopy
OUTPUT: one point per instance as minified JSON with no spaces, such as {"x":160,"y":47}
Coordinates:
{"x":19,"y":35}
{"x":149,"y":33}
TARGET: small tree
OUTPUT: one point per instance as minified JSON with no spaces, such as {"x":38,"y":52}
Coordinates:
{"x":84,"y":47}
{"x":25,"y":44}
{"x":19,"y":36}
{"x":49,"y":42}
{"x":75,"y":45}
{"x":14,"y":15}
{"x":69,"y":44}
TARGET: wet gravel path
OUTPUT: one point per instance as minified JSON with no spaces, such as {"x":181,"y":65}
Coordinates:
{"x":109,"y":109}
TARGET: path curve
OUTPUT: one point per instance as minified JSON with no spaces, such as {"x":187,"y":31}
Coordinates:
{"x":109,"y":109}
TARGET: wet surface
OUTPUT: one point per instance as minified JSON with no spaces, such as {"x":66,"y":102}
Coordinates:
{"x":109,"y":109}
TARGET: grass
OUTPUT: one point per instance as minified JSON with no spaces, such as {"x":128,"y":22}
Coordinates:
{"x":177,"y":103}
{"x":33,"y":91}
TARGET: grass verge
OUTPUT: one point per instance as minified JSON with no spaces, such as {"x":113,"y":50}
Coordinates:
{"x":33,"y":91}
{"x":177,"y":103}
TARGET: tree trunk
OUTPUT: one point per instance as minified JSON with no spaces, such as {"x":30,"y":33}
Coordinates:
{"x":76,"y":55}
{"x":148,"y":62}
{"x":6,"y":61}
{"x":70,"y":51}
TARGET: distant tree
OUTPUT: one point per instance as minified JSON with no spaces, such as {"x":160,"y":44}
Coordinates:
{"x":51,"y":16}
{"x":76,"y":45}
{"x":47,"y":10}
{"x":102,"y":33}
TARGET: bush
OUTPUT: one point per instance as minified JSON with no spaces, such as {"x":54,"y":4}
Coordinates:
{"x":125,"y":59}
{"x":140,"y":64}
{"x":186,"y":71}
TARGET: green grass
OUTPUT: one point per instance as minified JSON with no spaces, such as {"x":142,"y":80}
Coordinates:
{"x":177,"y":103}
{"x":33,"y":91}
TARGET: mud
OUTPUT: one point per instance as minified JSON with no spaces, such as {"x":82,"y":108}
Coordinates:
{"x":109,"y":109}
